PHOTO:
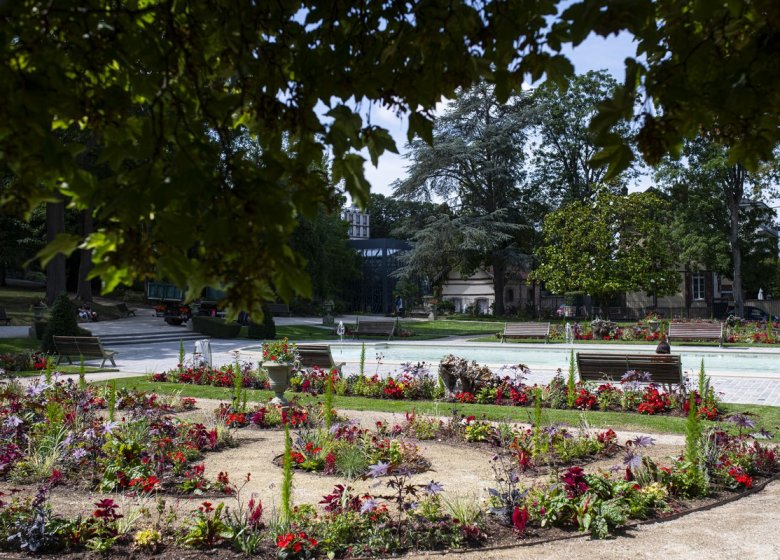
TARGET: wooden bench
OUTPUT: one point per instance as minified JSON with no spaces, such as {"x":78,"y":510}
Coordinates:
{"x":317,"y":355}
{"x":3,"y":317}
{"x":696,"y":331}
{"x":125,"y":311}
{"x":664,"y":369}
{"x":278,"y":309}
{"x":375,"y":328}
{"x":82,"y":347}
{"x":526,"y":330}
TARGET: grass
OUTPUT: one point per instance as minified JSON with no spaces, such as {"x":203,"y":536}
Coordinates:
{"x":18,"y":303}
{"x":305,"y":332}
{"x":767,"y":417}
{"x":442,"y":328}
{"x":18,"y":345}
{"x":421,"y":330}
{"x":62,"y":369}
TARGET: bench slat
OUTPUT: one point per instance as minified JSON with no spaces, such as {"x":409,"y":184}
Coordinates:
{"x":526,"y":330}
{"x":375,"y":327}
{"x":663,"y":368}
{"x":82,"y":347}
{"x":317,"y":355}
{"x":701,"y":331}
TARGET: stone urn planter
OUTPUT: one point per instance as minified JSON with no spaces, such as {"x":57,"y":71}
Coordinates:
{"x":278,"y":379}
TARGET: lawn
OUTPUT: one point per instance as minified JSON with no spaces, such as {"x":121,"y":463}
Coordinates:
{"x":767,"y":417}
{"x":68,"y":370}
{"x":443,"y":328}
{"x":18,"y":303}
{"x":14,"y":345}
{"x":305,"y":332}
{"x":421,"y":330}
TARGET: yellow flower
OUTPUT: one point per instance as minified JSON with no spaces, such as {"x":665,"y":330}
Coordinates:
{"x":147,"y":539}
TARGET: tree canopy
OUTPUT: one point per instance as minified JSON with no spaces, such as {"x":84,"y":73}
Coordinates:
{"x":475,"y":164}
{"x":565,"y":144}
{"x":718,"y":211}
{"x":610,"y":245}
{"x":165,"y":88}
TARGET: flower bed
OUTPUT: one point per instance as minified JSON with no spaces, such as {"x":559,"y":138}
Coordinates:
{"x":396,"y":514}
{"x":56,"y":431}
{"x":350,"y":451}
{"x":414,"y":382}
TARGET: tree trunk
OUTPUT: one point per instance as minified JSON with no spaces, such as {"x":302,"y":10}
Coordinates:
{"x":84,"y":292}
{"x":55,"y":269}
{"x":735,"y":189}
{"x":499,"y":282}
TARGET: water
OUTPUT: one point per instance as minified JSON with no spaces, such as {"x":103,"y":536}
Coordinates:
{"x":737,"y":362}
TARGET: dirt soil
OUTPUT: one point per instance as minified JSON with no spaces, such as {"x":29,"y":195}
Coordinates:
{"x":746,"y":528}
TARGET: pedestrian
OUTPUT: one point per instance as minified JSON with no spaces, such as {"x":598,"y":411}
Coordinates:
{"x":663,"y":346}
{"x":399,"y":306}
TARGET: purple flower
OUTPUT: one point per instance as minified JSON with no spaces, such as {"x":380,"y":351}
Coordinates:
{"x":369,"y":505}
{"x":433,"y":488}
{"x":13,"y":422}
{"x":632,"y":461}
{"x":380,"y":469}
{"x":742,"y":420}
{"x":37,"y":388}
{"x":89,"y":433}
{"x":109,"y":427}
{"x":79,"y":453}
{"x":642,"y":441}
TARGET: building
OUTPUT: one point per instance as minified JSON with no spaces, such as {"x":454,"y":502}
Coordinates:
{"x":476,"y":294}
{"x":373,"y":293}
{"x":358,"y":223}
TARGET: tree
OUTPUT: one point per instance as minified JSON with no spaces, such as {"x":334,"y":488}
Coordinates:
{"x":758,"y":236}
{"x":330,"y":261}
{"x":607,"y":246}
{"x":61,"y":323}
{"x":705,"y":181}
{"x":55,"y":267}
{"x":165,"y":86}
{"x":400,"y":219}
{"x":565,"y":146}
{"x":476,"y":164}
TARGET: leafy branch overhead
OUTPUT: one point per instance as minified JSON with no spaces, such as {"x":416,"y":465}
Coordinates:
{"x":211,"y":117}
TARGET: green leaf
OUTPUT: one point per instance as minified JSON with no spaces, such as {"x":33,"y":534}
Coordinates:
{"x":420,"y":125}
{"x":63,"y":243}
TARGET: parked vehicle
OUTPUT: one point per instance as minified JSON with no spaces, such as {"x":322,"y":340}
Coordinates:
{"x":751,"y":313}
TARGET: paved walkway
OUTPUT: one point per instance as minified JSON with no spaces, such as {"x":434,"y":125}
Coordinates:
{"x":735,"y":387}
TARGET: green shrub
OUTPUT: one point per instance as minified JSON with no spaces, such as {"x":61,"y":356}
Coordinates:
{"x":61,"y":323}
{"x":216,"y":327}
{"x":40,"y":329}
{"x":265,"y":330}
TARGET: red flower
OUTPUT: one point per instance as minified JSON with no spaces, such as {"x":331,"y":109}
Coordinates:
{"x":520,"y":519}
{"x":206,"y":507}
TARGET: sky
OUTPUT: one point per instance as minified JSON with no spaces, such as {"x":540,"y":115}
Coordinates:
{"x":595,"y":53}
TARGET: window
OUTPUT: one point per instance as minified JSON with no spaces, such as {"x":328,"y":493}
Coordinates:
{"x":697,"y":286}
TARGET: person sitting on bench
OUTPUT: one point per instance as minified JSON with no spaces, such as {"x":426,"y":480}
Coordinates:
{"x":86,"y":313}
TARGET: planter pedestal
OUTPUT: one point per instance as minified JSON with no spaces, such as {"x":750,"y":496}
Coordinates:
{"x":279,"y":380}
